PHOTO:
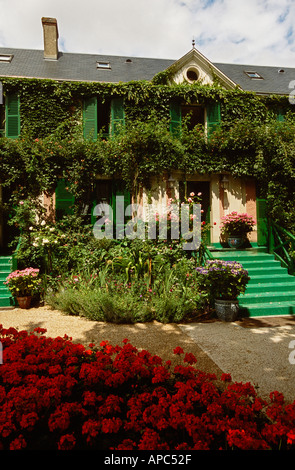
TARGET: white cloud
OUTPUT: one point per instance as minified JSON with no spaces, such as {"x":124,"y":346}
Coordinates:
{"x":252,"y":31}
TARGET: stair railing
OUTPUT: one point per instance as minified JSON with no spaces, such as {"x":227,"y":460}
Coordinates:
{"x":282,"y":244}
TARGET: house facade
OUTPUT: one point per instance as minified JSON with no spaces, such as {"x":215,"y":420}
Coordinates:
{"x":103,"y":115}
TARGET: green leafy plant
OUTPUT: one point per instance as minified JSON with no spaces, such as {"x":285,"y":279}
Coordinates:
{"x":224,"y":280}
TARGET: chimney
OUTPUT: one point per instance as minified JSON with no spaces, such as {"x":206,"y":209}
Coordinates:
{"x":50,"y":34}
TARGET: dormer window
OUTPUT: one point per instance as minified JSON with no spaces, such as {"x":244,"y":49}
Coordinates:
{"x":103,"y":65}
{"x":6,"y":58}
{"x":254,"y":75}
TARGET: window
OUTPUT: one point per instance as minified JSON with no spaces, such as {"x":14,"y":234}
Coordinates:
{"x":6,"y":58}
{"x":193,"y":115}
{"x":208,"y":115}
{"x":103,"y":65}
{"x":105,"y":117}
{"x":254,"y":75}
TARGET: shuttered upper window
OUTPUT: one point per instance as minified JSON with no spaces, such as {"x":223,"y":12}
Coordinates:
{"x":209,"y":115}
{"x":102,"y":117}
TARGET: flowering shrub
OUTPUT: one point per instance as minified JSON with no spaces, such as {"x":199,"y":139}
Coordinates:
{"x":223,"y":279}
{"x":55,"y":394}
{"x":23,"y":283}
{"x":235,"y":224}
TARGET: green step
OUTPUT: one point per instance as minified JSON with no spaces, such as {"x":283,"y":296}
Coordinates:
{"x":271,"y":287}
{"x":270,"y":291}
{"x":242,"y":256}
{"x":6,"y":260}
{"x":264,"y":297}
{"x":3,"y":276}
{"x":269,"y":278}
{"x":270,"y":263}
{"x":6,"y":299}
{"x":267,"y":309}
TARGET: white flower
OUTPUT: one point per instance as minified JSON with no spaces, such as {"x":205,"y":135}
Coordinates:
{"x":45,"y":240}
{"x":43,"y":222}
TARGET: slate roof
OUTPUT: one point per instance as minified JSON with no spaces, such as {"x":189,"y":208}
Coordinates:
{"x":30,"y":63}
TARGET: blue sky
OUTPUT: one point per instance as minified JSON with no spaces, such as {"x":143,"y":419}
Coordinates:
{"x":232,"y":31}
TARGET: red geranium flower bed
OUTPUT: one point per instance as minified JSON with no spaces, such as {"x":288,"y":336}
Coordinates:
{"x":55,"y":394}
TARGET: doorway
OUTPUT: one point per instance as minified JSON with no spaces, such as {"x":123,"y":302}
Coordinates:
{"x":203,"y":187}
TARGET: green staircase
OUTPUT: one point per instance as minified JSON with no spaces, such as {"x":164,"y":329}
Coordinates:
{"x":270,"y":291}
{"x":6,"y":299}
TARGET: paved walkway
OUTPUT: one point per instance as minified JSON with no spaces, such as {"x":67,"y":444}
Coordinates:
{"x":253,"y":350}
{"x":256,"y":351}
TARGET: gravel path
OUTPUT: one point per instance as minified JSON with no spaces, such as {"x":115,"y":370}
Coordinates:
{"x":155,"y":337}
{"x":252,"y":350}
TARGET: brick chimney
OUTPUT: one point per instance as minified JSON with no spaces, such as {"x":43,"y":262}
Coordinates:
{"x":50,"y":34}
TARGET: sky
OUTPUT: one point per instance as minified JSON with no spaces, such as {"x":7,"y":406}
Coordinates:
{"x":252,"y":32}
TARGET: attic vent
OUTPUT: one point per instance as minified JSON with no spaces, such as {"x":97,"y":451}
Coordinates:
{"x":281,"y":70}
{"x":254,"y":75}
{"x":6,"y":57}
{"x":103,"y":65}
{"x":128,"y":61}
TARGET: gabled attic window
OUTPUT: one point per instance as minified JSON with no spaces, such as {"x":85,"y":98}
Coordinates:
{"x":6,"y":57}
{"x":103,"y":65}
{"x":254,"y":75}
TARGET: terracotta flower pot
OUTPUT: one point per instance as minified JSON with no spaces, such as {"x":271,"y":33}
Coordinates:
{"x":24,"y":302}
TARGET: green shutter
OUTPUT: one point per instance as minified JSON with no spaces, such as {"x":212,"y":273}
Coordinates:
{"x":90,"y":118}
{"x":262,"y":225}
{"x":281,"y":115}
{"x":175,"y":119}
{"x":117,"y":115}
{"x":213,"y":117}
{"x":12,"y":128}
{"x":64,"y":200}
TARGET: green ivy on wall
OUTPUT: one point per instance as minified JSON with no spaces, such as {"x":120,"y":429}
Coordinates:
{"x":250,"y":141}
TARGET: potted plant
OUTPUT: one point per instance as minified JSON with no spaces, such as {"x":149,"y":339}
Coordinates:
{"x":23,"y":285}
{"x":235,"y":227}
{"x":224,"y":282}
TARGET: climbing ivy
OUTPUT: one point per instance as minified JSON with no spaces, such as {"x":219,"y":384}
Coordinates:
{"x":250,"y":142}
